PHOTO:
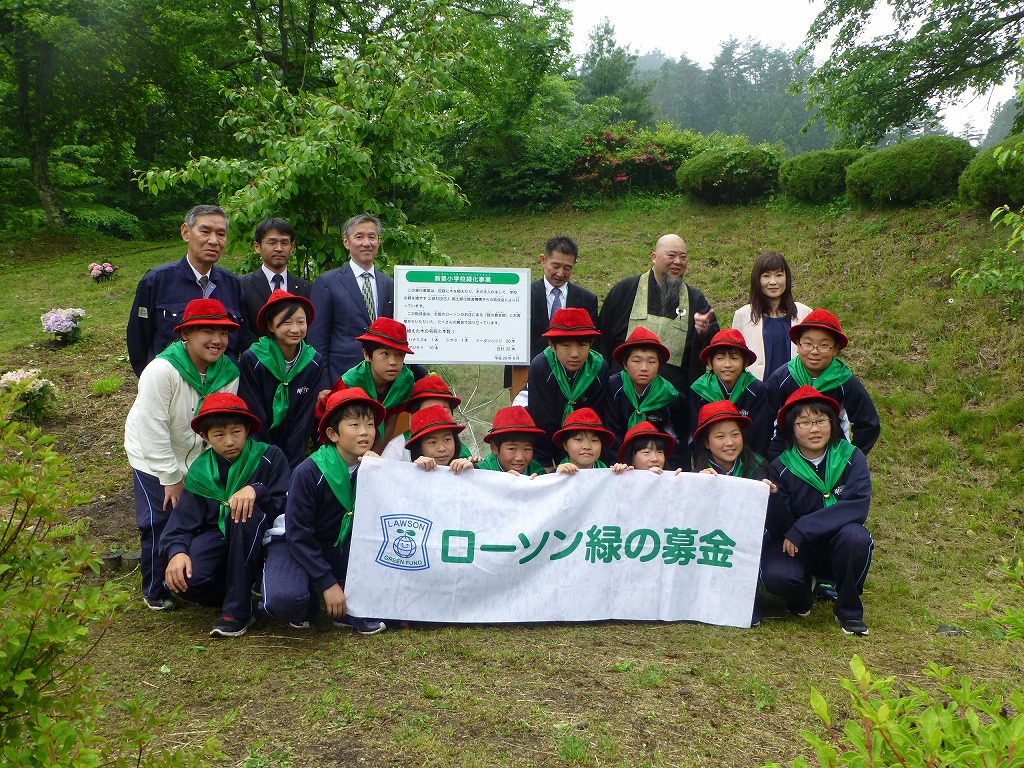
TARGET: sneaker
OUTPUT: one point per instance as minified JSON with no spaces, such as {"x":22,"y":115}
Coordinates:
{"x":798,"y":612}
{"x":299,"y":624}
{"x":229,"y":627}
{"x":362,"y":626}
{"x":853,"y":627}
{"x":160,"y":603}
{"x":825,"y":590}
{"x":755,"y":619}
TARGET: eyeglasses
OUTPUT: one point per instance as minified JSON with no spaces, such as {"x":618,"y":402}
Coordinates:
{"x":819,"y":423}
{"x":806,"y":346}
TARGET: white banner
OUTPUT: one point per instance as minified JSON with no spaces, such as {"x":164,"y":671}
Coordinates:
{"x":487,"y":547}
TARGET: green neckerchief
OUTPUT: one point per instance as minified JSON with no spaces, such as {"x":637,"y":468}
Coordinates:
{"x":834,"y":376}
{"x":269,"y":353}
{"x":491,"y":462}
{"x":336,"y":474}
{"x":463,"y":453}
{"x":203,"y":478}
{"x":710,"y":387}
{"x":597,"y":464}
{"x":736,"y":471}
{"x":361,"y":376}
{"x":219,"y":373}
{"x":660,"y":393}
{"x":835,"y":462}
{"x":584,"y":377}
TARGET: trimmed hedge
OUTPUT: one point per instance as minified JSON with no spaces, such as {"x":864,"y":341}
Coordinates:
{"x":730,"y":174}
{"x":927,"y":168}
{"x":985,"y":184}
{"x":819,"y":176}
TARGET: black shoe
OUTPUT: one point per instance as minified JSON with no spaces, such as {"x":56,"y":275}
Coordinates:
{"x":160,"y":603}
{"x":362,"y":626}
{"x":229,"y":627}
{"x":825,"y":590}
{"x":853,"y":627}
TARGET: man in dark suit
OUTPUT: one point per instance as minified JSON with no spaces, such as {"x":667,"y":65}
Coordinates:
{"x":274,"y":241}
{"x":163,"y":292}
{"x":558,"y":261}
{"x":349,"y":298}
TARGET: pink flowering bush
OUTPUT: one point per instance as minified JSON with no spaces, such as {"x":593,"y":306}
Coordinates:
{"x":104,"y":271}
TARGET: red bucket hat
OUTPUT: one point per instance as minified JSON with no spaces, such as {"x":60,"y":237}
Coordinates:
{"x":727,"y":339}
{"x":432,"y":419}
{"x":389,"y":333}
{"x":583,"y":419}
{"x":720,"y":410}
{"x":571,"y":322}
{"x":824,"y":320}
{"x":641,"y":337}
{"x":644,"y":430}
{"x":229,"y":405}
{"x":432,"y":387}
{"x":205,"y":313}
{"x":513,"y":418}
{"x":342,"y":397}
{"x":276,"y":298}
{"x":803,"y":395}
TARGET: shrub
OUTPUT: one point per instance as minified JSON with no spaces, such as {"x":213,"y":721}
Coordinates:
{"x":960,"y":726}
{"x":988,"y":184}
{"x":819,"y":176}
{"x":730,"y":174}
{"x":621,"y":159}
{"x":50,"y":705}
{"x":927,"y":168}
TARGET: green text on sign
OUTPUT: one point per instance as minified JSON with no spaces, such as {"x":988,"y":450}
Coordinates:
{"x":479,"y":278}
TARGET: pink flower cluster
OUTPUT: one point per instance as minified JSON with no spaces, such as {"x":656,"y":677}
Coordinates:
{"x":103,"y":271}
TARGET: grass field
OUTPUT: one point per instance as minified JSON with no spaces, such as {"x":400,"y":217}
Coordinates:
{"x":946,"y":373}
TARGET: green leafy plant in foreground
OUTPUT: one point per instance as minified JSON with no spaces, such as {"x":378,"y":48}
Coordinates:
{"x":50,"y":701}
{"x":1009,"y":624}
{"x":957,"y":726}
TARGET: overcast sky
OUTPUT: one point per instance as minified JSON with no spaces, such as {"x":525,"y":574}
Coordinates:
{"x":698,"y":28}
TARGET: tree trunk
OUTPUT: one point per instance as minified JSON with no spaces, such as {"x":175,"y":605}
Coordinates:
{"x":39,"y":161}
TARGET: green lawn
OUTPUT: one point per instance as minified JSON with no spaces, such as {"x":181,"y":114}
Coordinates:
{"x":947,"y":376}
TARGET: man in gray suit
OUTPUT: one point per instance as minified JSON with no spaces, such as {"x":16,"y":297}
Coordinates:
{"x":274,"y":241}
{"x":349,"y":298}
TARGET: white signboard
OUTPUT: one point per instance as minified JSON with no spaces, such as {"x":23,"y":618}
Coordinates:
{"x":486,"y":546}
{"x":465,"y":315}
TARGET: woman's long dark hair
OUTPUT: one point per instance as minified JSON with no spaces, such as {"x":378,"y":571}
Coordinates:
{"x":760,"y":306}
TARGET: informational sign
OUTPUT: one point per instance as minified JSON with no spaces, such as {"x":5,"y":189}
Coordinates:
{"x":484,"y":546}
{"x":465,"y":315}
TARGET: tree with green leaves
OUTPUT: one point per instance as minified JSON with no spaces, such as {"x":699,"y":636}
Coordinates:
{"x":608,"y":69}
{"x":939,"y":51}
{"x":318,"y":157}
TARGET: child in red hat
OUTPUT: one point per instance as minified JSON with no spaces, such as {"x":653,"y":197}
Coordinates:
{"x":307,"y":549}
{"x":434,"y":440}
{"x":282,"y":376}
{"x":512,"y":438}
{"x":719,"y":447}
{"x":644,"y":447}
{"x":727,"y":357}
{"x":383,"y":373}
{"x":819,"y":338}
{"x":427,"y":392}
{"x":583,"y":438}
{"x":640,"y":393}
{"x":213,"y":540}
{"x":568,"y":375}
{"x":815,"y":523}
{"x":157,"y":434}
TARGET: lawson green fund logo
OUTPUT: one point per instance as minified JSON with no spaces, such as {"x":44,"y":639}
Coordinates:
{"x":405,"y":542}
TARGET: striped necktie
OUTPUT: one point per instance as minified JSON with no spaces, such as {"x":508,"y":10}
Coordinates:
{"x":371,"y":307}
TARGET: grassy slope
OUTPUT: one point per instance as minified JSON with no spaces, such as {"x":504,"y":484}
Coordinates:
{"x":946,"y":377}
